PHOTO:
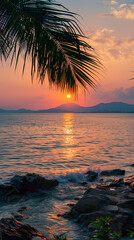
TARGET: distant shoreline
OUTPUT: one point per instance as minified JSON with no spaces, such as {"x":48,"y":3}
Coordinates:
{"x":113,"y":107}
{"x":1,"y":113}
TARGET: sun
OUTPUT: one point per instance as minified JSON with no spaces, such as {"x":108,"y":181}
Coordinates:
{"x":68,"y":96}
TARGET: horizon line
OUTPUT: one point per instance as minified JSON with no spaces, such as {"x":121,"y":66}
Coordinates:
{"x":45,"y":109}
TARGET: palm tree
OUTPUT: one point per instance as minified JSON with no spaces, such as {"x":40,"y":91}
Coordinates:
{"x":50,"y":35}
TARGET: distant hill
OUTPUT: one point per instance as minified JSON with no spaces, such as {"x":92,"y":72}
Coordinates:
{"x":113,"y":107}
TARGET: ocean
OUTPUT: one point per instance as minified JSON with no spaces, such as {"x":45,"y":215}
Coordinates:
{"x":62,"y":146}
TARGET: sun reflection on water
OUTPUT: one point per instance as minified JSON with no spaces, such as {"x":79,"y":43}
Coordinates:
{"x":69,"y":140}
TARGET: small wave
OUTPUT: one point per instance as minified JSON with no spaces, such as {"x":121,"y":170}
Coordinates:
{"x":72,"y":177}
{"x":75,"y":176}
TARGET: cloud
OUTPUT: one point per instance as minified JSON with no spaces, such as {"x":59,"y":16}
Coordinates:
{"x":123,"y":11}
{"x":110,"y":46}
{"x":112,"y":2}
{"x":103,"y":36}
{"x":118,"y":94}
{"x":123,"y":5}
{"x":125,"y":94}
{"x":115,"y":53}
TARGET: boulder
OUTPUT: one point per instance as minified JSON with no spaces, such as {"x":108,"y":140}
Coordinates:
{"x":32,"y":182}
{"x":91,"y":175}
{"x":20,"y":185}
{"x":114,"y":172}
{"x":122,"y":223}
{"x":129,"y":204}
{"x":12,"y":229}
{"x":87,"y":218}
{"x":93,"y":200}
{"x":111,"y":208}
{"x":115,"y":200}
{"x":129,"y":180}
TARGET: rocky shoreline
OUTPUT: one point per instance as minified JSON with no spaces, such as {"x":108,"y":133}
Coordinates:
{"x":21,"y":185}
{"x":114,"y":198}
{"x":12,"y":229}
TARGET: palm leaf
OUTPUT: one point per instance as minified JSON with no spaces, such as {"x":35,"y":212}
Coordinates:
{"x":50,"y":35}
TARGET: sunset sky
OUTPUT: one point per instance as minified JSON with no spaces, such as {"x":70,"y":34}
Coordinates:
{"x":110,"y":28}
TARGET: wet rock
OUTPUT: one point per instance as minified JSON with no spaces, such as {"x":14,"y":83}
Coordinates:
{"x":129,"y":180}
{"x":11,"y":229}
{"x":23,"y":209}
{"x":86,"y":219}
{"x":115,"y":200}
{"x":91,"y":176}
{"x":20,"y":185}
{"x":83,"y":183}
{"x":91,"y":201}
{"x":111,"y":208}
{"x":122,"y":181}
{"x":114,"y":172}
{"x":70,"y":204}
{"x":127,"y":204}
{"x":117,"y":183}
{"x":77,"y":198}
{"x":32,"y":182}
{"x":121,"y":223}
{"x":18,"y":216}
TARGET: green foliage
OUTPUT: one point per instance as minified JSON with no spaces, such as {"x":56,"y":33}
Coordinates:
{"x":103,"y":230}
{"x":60,"y":237}
{"x":48,"y":34}
{"x":117,"y":236}
{"x":131,"y":233}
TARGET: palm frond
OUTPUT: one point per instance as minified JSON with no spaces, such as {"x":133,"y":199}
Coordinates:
{"x":50,"y":34}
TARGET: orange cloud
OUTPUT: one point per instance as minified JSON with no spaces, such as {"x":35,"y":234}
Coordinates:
{"x":112,"y":2}
{"x":121,"y":12}
{"x":110,"y":46}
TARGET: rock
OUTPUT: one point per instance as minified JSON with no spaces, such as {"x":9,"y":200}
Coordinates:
{"x":117,"y":183}
{"x":20,"y":185}
{"x":77,"y":198}
{"x":18,"y":216}
{"x":32,"y":182}
{"x":115,"y":200}
{"x":122,"y":181}
{"x":127,"y":204}
{"x":114,"y":172}
{"x":91,"y":176}
{"x":11,"y":229}
{"x":111,"y":208}
{"x":83,"y":183}
{"x":22,"y":209}
{"x":126,"y":212}
{"x":86,"y":219}
{"x":88,"y":204}
{"x":121,"y":223}
{"x":91,"y":201}
{"x":129,"y":180}
{"x":70,"y":204}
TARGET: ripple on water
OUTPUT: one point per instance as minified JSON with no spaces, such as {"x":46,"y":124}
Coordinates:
{"x":62,"y":146}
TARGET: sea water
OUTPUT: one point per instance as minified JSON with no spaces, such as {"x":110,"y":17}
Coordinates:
{"x":63,"y":147}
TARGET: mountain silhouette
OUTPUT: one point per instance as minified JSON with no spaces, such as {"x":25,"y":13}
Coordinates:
{"x":113,"y":107}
